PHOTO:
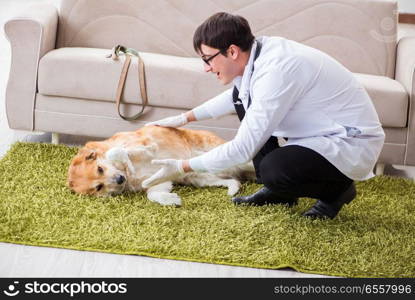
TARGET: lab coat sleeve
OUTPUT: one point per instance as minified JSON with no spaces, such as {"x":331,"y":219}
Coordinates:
{"x":215,"y":107}
{"x":275,"y":92}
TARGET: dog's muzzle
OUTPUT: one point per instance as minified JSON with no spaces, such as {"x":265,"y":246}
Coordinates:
{"x":119,"y":179}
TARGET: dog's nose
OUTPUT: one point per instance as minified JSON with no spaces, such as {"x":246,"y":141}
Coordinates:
{"x":120,"y":179}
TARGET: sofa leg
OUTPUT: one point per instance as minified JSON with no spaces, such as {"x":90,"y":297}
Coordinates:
{"x":55,"y":138}
{"x":380,"y":168}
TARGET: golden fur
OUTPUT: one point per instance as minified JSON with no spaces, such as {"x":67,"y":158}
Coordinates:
{"x":90,"y":172}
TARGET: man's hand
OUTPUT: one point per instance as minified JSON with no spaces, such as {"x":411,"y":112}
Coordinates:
{"x":170,"y":170}
{"x":175,"y":121}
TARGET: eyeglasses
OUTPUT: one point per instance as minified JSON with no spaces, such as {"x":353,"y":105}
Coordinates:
{"x":207,"y":60}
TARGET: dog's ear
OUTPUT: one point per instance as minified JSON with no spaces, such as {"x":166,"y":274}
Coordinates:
{"x":85,"y":154}
{"x":99,"y":148}
{"x":92,"y":155}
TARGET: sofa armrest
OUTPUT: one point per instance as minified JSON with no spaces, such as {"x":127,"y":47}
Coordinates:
{"x":405,"y":74}
{"x":31,"y":35}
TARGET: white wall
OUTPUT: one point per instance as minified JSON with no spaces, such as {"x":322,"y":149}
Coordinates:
{"x":406,"y":6}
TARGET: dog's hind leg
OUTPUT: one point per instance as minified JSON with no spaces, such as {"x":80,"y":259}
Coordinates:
{"x":207,"y":179}
{"x":161,"y":193}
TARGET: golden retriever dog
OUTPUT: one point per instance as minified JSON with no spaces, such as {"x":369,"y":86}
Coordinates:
{"x":92,"y":172}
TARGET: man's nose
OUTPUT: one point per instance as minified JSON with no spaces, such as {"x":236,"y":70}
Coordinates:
{"x":207,"y":67}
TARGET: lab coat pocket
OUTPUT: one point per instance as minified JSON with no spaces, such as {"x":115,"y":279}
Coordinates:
{"x":353,"y":131}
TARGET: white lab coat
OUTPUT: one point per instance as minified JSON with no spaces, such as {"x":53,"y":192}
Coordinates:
{"x":303,"y":94}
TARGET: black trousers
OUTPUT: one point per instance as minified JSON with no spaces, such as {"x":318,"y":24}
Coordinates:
{"x":294,"y":171}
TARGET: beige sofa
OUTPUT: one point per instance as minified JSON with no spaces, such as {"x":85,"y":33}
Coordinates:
{"x":61,"y":82}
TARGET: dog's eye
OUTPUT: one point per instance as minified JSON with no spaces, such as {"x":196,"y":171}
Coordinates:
{"x":99,"y":187}
{"x":100,"y":170}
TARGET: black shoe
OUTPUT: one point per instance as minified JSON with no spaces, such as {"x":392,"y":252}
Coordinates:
{"x":322,"y":210}
{"x":262,"y":197}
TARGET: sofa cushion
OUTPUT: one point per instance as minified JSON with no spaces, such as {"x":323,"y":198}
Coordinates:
{"x":360,"y":34}
{"x":174,"y":82}
{"x":389,"y":97}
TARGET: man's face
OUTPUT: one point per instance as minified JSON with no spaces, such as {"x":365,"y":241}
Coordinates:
{"x":224,"y":67}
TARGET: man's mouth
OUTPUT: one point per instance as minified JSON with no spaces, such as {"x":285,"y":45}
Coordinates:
{"x":217,"y":75}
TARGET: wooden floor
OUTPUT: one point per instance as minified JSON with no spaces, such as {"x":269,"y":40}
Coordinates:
{"x":28,"y":261}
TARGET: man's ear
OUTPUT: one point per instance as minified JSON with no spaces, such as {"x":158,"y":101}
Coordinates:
{"x":234,"y":51}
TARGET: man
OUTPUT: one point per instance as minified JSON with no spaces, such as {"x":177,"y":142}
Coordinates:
{"x":283,"y":89}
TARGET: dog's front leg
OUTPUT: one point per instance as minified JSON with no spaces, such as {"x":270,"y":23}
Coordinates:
{"x":161,"y":193}
{"x":142,"y":152}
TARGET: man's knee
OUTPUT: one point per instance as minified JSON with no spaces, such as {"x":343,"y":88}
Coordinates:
{"x":275,"y":173}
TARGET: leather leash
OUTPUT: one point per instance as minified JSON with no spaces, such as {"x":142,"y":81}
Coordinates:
{"x":128,"y":52}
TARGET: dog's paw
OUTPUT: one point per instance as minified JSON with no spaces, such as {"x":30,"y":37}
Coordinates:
{"x":233,"y":187}
{"x":165,"y":198}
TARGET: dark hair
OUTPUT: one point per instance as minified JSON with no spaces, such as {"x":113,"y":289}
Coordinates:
{"x":222,"y":30}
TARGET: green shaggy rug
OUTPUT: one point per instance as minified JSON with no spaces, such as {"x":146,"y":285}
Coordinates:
{"x":374,"y":236}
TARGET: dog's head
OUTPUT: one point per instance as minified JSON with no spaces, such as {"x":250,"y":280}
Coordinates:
{"x":91,"y":174}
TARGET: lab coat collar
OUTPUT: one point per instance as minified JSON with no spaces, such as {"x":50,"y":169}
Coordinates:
{"x":242,"y":83}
